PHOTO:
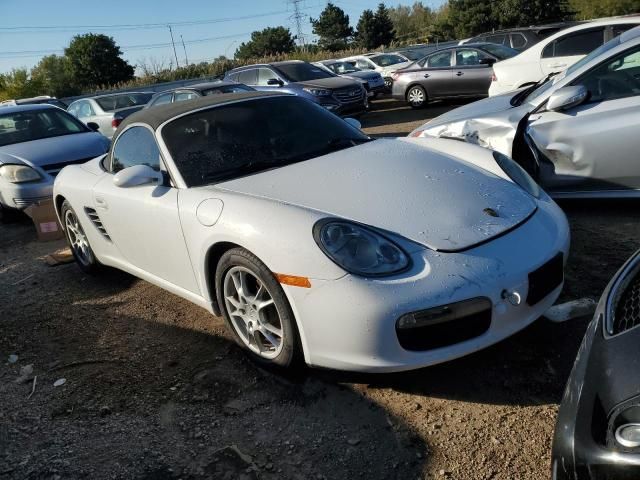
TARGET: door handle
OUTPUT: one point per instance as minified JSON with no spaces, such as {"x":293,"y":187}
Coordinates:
{"x":426,"y":75}
{"x":101,"y":203}
{"x":459,"y":74}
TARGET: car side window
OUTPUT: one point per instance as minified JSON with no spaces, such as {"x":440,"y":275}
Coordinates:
{"x":162,"y":99}
{"x":577,"y":43}
{"x":73,"y":110}
{"x":439,"y":60}
{"x":181,"y":96}
{"x":85,"y":110}
{"x":364,"y":64}
{"x":135,"y":146}
{"x":616,"y":78}
{"x":468,"y":57}
{"x":264,"y":75}
{"x":248,"y":77}
{"x":499,"y":39}
{"x":518,"y":40}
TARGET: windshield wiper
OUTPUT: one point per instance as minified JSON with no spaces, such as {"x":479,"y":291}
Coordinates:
{"x":518,"y":99}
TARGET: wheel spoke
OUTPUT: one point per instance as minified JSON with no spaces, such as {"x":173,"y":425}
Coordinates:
{"x":263,"y":304}
{"x":272,"y":329}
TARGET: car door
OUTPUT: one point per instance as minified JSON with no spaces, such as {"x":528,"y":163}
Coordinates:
{"x":470,"y":77}
{"x":265,"y":75}
{"x":436,"y":74}
{"x":143,"y":221}
{"x":595,"y":145}
{"x":569,"y":48}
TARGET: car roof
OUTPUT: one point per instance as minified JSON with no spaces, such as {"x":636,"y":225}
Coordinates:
{"x":113,"y":95}
{"x":273,"y":64}
{"x":198,"y":86}
{"x":27,"y":107}
{"x":156,"y":116}
{"x":531,"y":28}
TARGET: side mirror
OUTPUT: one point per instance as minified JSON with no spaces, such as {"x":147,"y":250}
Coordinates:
{"x":275,"y":81}
{"x":137,"y":175}
{"x":93,"y":126}
{"x":354,"y":123}
{"x":567,"y":97}
{"x":487,"y":61}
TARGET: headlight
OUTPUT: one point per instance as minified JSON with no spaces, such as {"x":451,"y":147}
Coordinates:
{"x":19,"y":173}
{"x":359,"y":250}
{"x":318,"y":92}
{"x":517,"y":174}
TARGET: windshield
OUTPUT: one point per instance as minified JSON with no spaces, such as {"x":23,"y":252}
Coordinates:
{"x":116,"y":102}
{"x":302,"y":72}
{"x":500,"y":51}
{"x":233,"y":140}
{"x":25,"y":126}
{"x":341,"y":68}
{"x":387,"y":59}
{"x":412,"y":54}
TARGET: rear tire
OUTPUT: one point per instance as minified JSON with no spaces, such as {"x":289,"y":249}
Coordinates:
{"x":256,"y":310}
{"x":78,"y":241}
{"x":417,"y":96}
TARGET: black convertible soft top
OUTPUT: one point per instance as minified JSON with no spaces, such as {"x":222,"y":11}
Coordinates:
{"x":156,"y":116}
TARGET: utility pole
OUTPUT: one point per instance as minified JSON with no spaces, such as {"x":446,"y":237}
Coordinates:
{"x":298,"y":17}
{"x":174,"y":46}
{"x":186,"y":60}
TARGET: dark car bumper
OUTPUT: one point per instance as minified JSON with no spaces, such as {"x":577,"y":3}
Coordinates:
{"x":603,"y":392}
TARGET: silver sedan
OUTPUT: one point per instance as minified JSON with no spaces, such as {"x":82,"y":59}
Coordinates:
{"x":106,"y":112}
{"x":575,"y":132}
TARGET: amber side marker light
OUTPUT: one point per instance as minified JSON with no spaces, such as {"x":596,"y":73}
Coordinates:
{"x":293,"y":280}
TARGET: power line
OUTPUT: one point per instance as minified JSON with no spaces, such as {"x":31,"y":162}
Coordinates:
{"x":298,"y":17}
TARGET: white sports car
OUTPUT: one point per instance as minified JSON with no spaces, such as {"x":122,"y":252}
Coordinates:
{"x":314,"y":241}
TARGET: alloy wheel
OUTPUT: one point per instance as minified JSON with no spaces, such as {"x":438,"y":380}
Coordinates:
{"x":77,"y":238}
{"x":416,"y":96}
{"x":253,"y":312}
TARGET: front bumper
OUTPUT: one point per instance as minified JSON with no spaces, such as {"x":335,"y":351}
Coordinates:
{"x":344,"y":109}
{"x":350,"y":323}
{"x":603,"y":388}
{"x":21,"y":195}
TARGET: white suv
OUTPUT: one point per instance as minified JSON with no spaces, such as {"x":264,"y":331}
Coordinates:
{"x":556,"y":53}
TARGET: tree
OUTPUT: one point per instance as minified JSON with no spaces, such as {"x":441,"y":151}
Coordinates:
{"x":375,"y":29}
{"x":412,"y":24}
{"x":270,"y":41}
{"x":96,"y":60}
{"x":332,"y":26}
{"x":587,"y":9}
{"x":54,"y":74}
{"x":514,"y":13}
{"x":18,"y":84}
{"x":471,"y":17}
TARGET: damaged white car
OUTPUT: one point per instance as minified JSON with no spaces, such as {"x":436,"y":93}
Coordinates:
{"x":576,"y":133}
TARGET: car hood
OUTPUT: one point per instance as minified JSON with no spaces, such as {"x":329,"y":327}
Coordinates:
{"x":330,"y":83}
{"x":400,"y":186}
{"x":62,"y":149}
{"x":363,"y":75}
{"x":490,"y":123}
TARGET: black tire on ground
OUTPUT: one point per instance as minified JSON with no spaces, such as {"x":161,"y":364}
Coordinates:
{"x":85,"y":258}
{"x":417,"y":96}
{"x":290,"y":355}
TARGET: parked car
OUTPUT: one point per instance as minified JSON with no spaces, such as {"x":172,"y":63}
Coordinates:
{"x":519,"y":38}
{"x":383,"y":63}
{"x":34,"y":101}
{"x":597,"y":434}
{"x":36,"y":142}
{"x":341,"y":96}
{"x":457,"y":72}
{"x":556,"y":53}
{"x":372,"y":82}
{"x":315,"y":241}
{"x":576,"y":132}
{"x":108,"y":111}
{"x":198,"y":90}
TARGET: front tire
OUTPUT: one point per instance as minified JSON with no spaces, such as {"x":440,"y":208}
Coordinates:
{"x":417,"y":97}
{"x":256,"y":309}
{"x":78,"y":241}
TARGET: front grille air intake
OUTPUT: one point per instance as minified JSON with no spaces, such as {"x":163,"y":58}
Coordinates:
{"x":95,"y":219}
{"x":627,"y":312}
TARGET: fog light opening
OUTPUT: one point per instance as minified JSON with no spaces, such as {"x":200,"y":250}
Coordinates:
{"x":628,"y":435}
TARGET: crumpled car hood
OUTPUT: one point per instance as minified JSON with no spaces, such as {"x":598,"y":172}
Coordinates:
{"x":490,"y":123}
{"x":402,"y":186}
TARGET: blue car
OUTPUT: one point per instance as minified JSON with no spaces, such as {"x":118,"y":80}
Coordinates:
{"x":342,"y":96}
{"x":36,"y":142}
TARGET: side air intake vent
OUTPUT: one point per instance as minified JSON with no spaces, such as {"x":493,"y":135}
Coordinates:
{"x":95,"y":219}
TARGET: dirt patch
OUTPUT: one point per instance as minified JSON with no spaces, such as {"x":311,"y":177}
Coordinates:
{"x":156,"y":390}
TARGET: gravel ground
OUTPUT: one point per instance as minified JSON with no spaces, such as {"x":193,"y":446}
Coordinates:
{"x":156,"y":390}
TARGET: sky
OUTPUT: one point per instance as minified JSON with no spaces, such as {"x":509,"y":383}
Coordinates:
{"x":30,"y":29}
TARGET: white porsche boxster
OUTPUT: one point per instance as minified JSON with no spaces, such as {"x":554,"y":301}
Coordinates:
{"x":314,"y":241}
